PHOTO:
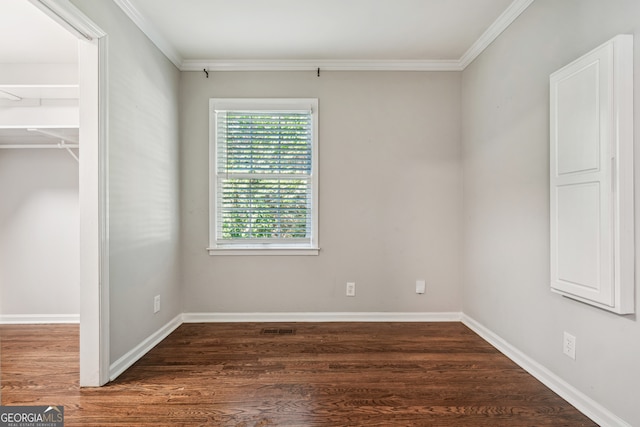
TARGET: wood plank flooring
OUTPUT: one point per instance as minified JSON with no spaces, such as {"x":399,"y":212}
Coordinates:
{"x":323,"y":374}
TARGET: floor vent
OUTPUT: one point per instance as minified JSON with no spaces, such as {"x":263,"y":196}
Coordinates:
{"x":278,"y":331}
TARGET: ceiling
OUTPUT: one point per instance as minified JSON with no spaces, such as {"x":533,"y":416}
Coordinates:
{"x":30,"y":37}
{"x":283,"y":34}
{"x":421,"y":34}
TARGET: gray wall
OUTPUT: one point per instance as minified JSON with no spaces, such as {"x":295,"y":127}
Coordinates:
{"x":505,"y":134}
{"x":143,"y":179}
{"x":390,"y":198}
{"x":39,"y":240}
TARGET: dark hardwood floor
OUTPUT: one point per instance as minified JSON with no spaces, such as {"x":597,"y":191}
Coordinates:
{"x":322,"y":374}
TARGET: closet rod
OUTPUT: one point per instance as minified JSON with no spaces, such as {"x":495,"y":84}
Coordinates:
{"x":39,"y":146}
{"x":60,"y":145}
{"x":53,"y":134}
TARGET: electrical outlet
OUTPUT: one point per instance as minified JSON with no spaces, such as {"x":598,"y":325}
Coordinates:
{"x":421,"y":286}
{"x":351,"y":289}
{"x":569,"y":345}
{"x":156,"y":303}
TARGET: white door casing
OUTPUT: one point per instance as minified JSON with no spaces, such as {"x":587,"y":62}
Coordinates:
{"x":93,"y":194}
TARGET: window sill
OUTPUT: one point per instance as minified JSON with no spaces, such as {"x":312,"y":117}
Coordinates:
{"x":277,"y":251}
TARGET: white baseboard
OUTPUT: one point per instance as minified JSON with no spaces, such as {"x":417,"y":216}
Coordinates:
{"x":321,"y":317}
{"x":123,"y":363}
{"x":592,"y":409}
{"x":36,"y":319}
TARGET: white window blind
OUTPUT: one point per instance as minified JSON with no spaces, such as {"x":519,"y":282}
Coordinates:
{"x":264,"y":180}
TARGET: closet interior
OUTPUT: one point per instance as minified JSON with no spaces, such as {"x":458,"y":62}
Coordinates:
{"x":39,"y":211}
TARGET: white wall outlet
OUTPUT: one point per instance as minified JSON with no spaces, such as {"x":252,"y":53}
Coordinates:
{"x":156,"y":303}
{"x":569,"y":345}
{"x":421,"y":286}
{"x":351,"y":289}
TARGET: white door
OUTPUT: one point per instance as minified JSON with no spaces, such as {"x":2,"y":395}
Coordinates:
{"x":585,"y":161}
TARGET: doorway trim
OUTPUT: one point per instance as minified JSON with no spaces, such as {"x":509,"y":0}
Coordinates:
{"x":93,"y":188}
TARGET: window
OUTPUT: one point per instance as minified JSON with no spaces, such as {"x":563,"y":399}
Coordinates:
{"x":263,"y":177}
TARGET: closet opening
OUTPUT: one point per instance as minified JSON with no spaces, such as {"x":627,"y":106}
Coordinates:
{"x":53,"y":257}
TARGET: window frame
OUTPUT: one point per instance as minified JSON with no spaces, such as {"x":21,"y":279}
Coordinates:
{"x":253,"y":247}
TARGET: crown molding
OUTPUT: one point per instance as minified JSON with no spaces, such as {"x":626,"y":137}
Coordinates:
{"x":323,"y":65}
{"x":499,"y":25}
{"x":151,"y":32}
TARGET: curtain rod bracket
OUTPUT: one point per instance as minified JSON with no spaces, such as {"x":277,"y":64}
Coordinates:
{"x":206,"y":72}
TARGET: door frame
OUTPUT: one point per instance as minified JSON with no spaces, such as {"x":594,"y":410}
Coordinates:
{"x":93,"y":188}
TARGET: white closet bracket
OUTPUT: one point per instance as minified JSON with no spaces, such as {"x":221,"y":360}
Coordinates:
{"x":68,"y":147}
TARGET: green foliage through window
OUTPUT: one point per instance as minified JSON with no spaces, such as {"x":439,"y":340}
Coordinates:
{"x":264,"y":167}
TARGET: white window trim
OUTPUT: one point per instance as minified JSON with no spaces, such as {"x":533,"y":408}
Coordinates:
{"x":280,"y":248}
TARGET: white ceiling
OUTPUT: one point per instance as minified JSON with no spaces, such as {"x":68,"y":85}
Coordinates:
{"x":228,"y":32}
{"x":31,"y":40}
{"x":30,"y":37}
{"x":409,"y":34}
{"x":321,"y":29}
